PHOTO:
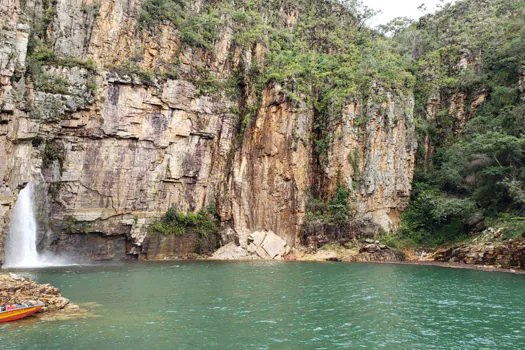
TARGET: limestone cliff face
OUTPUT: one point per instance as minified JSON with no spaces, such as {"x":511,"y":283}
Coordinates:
{"x":112,"y":150}
{"x":377,"y":161}
{"x":15,"y":130}
{"x":271,"y":170}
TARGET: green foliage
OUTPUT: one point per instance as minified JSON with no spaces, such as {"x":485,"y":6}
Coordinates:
{"x":512,"y":226}
{"x":433,"y":218}
{"x":470,"y":48}
{"x":196,"y":30}
{"x":399,"y":241}
{"x":336,"y":211}
{"x":41,"y":54}
{"x":92,"y":87}
{"x":37,"y":141}
{"x":247,"y":114}
{"x":51,"y":84}
{"x":202,"y":30}
{"x":154,"y":12}
{"x":326,"y":60}
{"x":339,"y":205}
{"x":131,"y":69}
{"x":74,"y":226}
{"x":316,"y":209}
{"x":207,"y":84}
{"x":205,"y":223}
{"x":40,"y":28}
{"x":353,"y":158}
{"x":53,"y":151}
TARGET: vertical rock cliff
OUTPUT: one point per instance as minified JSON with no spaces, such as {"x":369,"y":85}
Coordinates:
{"x":16,"y":131}
{"x":117,"y":122}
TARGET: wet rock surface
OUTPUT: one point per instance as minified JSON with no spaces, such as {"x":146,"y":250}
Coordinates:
{"x":19,"y":289}
{"x":188,"y":246}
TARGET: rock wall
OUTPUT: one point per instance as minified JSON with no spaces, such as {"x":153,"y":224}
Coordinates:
{"x":113,"y":148}
{"x":271,"y":171}
{"x":377,"y":160}
{"x":15,"y":130}
{"x":490,"y":247}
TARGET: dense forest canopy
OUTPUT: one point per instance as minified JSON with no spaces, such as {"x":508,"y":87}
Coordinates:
{"x":469,"y":172}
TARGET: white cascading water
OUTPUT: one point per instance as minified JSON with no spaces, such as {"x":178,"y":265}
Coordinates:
{"x":20,"y":251}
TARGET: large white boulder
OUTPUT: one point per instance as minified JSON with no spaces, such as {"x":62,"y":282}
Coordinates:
{"x":231,"y":251}
{"x":267,"y":245}
{"x":264,"y":245}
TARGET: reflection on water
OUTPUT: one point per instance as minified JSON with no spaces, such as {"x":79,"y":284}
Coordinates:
{"x":278,"y":305}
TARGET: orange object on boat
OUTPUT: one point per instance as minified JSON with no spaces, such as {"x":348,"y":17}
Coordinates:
{"x":12,"y":314}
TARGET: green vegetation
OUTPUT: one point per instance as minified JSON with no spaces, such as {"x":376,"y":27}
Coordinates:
{"x":512,"y":226}
{"x":40,"y":54}
{"x":204,"y":222}
{"x":207,"y":84}
{"x":132,"y":69}
{"x":53,"y":151}
{"x":327,"y":56}
{"x":474,"y":178}
{"x":49,"y":8}
{"x":196,"y":30}
{"x":339,"y":205}
{"x":154,"y":12}
{"x":336,"y":211}
{"x":434,"y":218}
{"x":74,"y":226}
{"x":202,"y":30}
{"x":51,"y":84}
{"x":353,"y":158}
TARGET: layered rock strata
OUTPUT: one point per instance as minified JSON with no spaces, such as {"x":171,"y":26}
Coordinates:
{"x":112,"y":149}
{"x":507,"y":255}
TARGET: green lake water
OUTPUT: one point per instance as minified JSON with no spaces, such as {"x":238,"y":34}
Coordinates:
{"x":266,"y":305}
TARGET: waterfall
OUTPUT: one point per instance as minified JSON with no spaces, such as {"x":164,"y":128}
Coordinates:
{"x":20,"y":248}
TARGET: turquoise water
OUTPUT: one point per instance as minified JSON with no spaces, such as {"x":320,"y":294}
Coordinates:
{"x":265,"y":305}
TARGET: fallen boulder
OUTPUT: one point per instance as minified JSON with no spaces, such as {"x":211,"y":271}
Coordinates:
{"x":231,"y":251}
{"x":264,"y":245}
{"x":267,"y":245}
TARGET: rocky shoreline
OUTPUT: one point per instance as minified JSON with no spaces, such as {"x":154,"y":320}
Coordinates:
{"x":20,"y":289}
{"x":488,"y":251}
{"x":500,"y":256}
{"x":510,"y":255}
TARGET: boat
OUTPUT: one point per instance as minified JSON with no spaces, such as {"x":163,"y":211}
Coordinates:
{"x":15,"y":312}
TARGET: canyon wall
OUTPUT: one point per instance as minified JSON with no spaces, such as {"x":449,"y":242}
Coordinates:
{"x":113,"y":139}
